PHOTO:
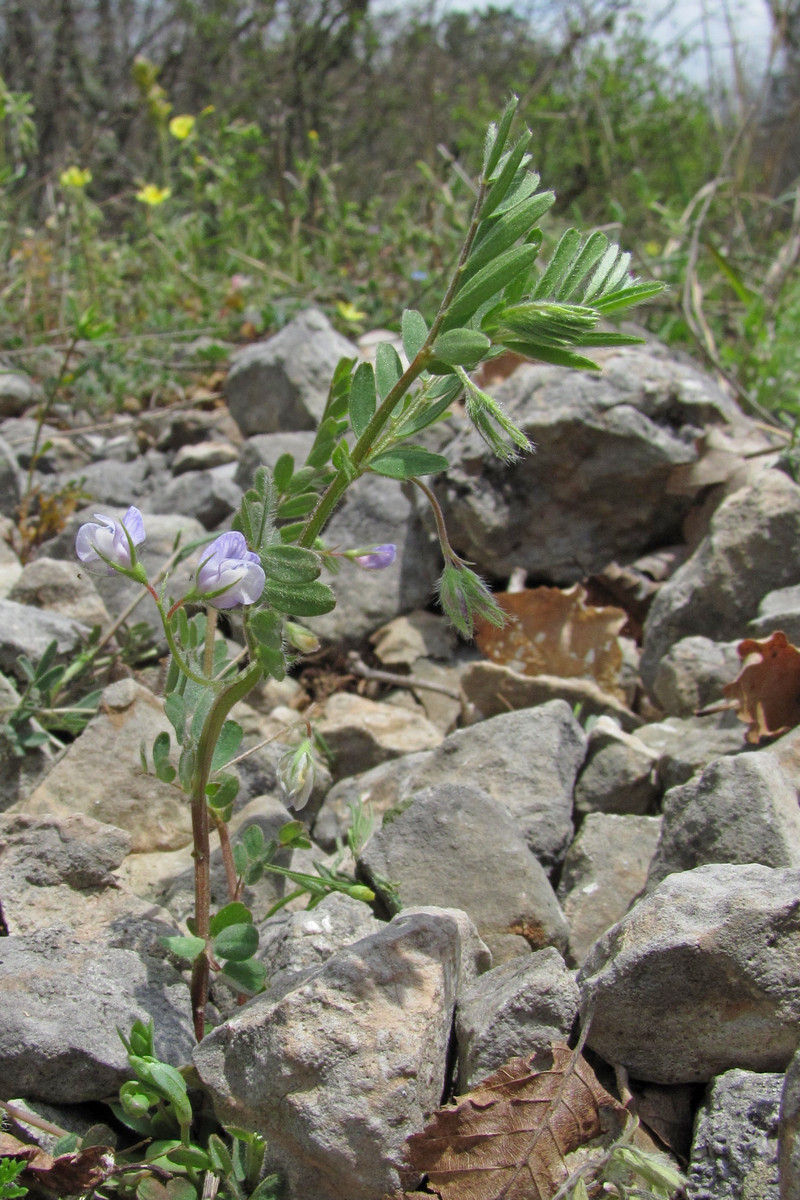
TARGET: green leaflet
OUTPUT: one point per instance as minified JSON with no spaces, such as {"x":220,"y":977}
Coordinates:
{"x":404,"y":462}
{"x":363,"y":397}
{"x":414,"y":332}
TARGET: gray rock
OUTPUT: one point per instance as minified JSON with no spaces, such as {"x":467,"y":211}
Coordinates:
{"x":17,"y":393}
{"x":63,"y":871}
{"x":62,"y":1004}
{"x":735,"y":1148}
{"x":339,"y":1071}
{"x":444,"y":846}
{"x":491,"y":689}
{"x":60,"y":587}
{"x":10,"y":487}
{"x":362,"y":733}
{"x":111,"y":479}
{"x":619,"y":774}
{"x":788,"y":1127}
{"x":521,"y":1006}
{"x":282,"y":384}
{"x":685,"y":745}
{"x":19,"y":772}
{"x":718,"y":589}
{"x":692,"y":674}
{"x":778,"y":610}
{"x":527,"y":761}
{"x":27,"y":630}
{"x":204,"y":456}
{"x":604,"y":871}
{"x":264,"y":450}
{"x":101,"y":775}
{"x":598,"y":437}
{"x":380,"y":789}
{"x":210,"y":497}
{"x":740,"y":810}
{"x":699,"y":977}
{"x":10,"y":569}
{"x":294,"y":944}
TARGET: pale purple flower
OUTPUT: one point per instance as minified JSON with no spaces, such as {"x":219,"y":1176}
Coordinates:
{"x":104,"y":539}
{"x":377,"y":559}
{"x":232,"y":571}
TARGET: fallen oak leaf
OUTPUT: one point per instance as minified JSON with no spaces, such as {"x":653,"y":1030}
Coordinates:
{"x":552,"y":631}
{"x":766,"y":692}
{"x":65,"y":1175}
{"x":509,"y":1137}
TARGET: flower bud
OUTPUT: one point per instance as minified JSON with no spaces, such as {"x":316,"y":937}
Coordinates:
{"x":375,"y":559}
{"x":301,"y":638}
{"x":296,"y":772}
{"x":464,"y":596}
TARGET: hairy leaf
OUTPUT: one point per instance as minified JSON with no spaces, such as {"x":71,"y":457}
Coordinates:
{"x":403,"y":462}
{"x":509,"y":1137}
{"x":362,"y":398}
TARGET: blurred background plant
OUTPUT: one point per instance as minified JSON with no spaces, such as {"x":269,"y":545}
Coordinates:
{"x":210,"y":167}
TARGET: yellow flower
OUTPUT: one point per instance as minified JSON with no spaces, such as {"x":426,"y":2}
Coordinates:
{"x":75,"y":177}
{"x":313,"y":136}
{"x":181,"y":127}
{"x":348,"y":311}
{"x":152,"y":195}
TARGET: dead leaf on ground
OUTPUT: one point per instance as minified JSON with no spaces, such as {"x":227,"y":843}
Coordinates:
{"x":67,"y":1174}
{"x":766,"y":692}
{"x":551,"y":631}
{"x":509,"y":1136}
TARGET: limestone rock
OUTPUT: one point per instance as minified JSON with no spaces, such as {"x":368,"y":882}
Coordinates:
{"x":282,"y":384}
{"x":62,"y":588}
{"x":692,"y":674}
{"x":527,"y":760}
{"x":62,"y":1003}
{"x":339,"y":1071}
{"x":26,"y":630}
{"x":209,"y":496}
{"x":491,"y":689}
{"x":779,"y":609}
{"x":101,"y":774}
{"x":521,"y":1006}
{"x":362,"y":733}
{"x":604,"y":871}
{"x":740,"y":810}
{"x":619,"y":773}
{"x":788,"y":1127}
{"x":700,"y":976}
{"x":453,"y":843}
{"x":599,"y":437}
{"x":685,"y":745}
{"x":735,"y":1149}
{"x":718,"y":589}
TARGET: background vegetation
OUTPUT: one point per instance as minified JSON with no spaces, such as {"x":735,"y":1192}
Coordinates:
{"x":176,"y":167}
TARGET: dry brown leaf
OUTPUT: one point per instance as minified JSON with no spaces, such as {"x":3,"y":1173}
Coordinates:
{"x":766,"y":692}
{"x":509,"y":1137}
{"x":551,"y":631}
{"x":68,"y":1174}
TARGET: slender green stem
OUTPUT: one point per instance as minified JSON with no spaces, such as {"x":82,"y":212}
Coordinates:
{"x":217,"y":715}
{"x":174,"y":650}
{"x":447,"y":550}
{"x":363,"y":447}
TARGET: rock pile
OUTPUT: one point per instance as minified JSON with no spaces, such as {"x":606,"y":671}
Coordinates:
{"x":544,"y":853}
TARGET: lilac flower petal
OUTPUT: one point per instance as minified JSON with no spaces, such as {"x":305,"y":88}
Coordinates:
{"x":105,"y":538}
{"x":231,"y":570}
{"x":377,"y":559}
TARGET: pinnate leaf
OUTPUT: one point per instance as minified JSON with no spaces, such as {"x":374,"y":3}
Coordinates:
{"x":509,"y":1136}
